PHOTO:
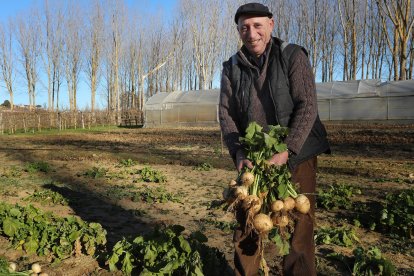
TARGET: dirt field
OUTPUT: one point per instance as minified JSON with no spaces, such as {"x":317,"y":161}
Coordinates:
{"x":376,"y":158}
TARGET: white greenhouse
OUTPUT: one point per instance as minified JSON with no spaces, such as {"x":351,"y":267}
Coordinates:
{"x":337,"y":101}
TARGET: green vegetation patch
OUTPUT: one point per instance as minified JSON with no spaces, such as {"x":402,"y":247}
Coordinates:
{"x":155,"y":195}
{"x":366,"y":262}
{"x":44,"y":234}
{"x":151,"y":175}
{"x":337,"y":197}
{"x":167,"y":252}
{"x":397,"y":215}
{"x":13,"y":171}
{"x":342,"y":236}
{"x":47,"y":197}
{"x":125,"y":163}
{"x":39,"y":166}
{"x":203,"y":167}
{"x":95,"y":172}
{"x":222,"y":225}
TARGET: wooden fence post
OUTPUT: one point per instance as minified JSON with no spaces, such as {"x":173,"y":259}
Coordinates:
{"x":1,"y":123}
{"x":83,"y":122}
{"x":89,"y":120}
{"x":60,"y":121}
{"x":24,"y":124}
{"x":39,"y":126}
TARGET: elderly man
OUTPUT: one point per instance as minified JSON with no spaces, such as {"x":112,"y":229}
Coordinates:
{"x":271,"y":82}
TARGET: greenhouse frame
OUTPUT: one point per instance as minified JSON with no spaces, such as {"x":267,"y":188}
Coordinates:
{"x":337,"y":101}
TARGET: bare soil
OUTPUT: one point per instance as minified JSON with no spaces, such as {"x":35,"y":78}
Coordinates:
{"x":377,"y":158}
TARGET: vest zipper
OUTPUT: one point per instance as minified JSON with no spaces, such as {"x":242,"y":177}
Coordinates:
{"x":273,"y":100}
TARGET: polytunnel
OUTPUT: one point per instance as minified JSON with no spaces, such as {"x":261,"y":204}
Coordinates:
{"x":366,"y":100}
{"x":176,"y":109}
{"x":337,"y":101}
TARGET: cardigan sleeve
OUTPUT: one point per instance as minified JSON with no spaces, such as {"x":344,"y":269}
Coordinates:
{"x":228,"y":115}
{"x":303,"y":92}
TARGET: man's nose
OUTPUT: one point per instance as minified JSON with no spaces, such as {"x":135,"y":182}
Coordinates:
{"x":251,"y":33}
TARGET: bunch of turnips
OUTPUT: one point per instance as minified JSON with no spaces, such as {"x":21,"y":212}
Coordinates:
{"x":265,"y":194}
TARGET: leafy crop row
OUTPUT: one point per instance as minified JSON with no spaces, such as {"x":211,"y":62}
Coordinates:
{"x":44,"y":234}
{"x":167,"y":252}
{"x":366,"y":262}
{"x":337,"y":196}
{"x":47,"y":197}
{"x":397,"y":214}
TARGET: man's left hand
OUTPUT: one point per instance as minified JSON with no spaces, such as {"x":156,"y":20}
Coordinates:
{"x":279,"y":158}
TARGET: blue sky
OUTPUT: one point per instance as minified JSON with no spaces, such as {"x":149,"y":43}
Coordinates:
{"x":11,"y":8}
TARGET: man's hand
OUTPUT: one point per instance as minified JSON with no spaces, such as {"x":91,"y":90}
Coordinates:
{"x":242,"y":161}
{"x":279,"y":158}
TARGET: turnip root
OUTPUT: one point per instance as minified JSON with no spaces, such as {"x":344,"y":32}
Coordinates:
{"x":302,"y":204}
{"x":12,"y":267}
{"x":262,"y":223}
{"x":247,"y":179}
{"x":36,"y":268}
{"x":277,"y":206}
{"x":234,"y":193}
{"x":289,"y":203}
{"x":232,"y":183}
{"x":252,"y":204}
{"x":241,"y":192}
{"x":279,"y":221}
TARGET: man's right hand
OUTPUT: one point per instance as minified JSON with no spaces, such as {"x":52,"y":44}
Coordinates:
{"x":242,"y":161}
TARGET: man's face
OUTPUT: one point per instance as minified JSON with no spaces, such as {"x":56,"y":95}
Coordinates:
{"x":255,"y":32}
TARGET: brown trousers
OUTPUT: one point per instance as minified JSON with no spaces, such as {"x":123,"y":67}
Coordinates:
{"x":301,"y":258}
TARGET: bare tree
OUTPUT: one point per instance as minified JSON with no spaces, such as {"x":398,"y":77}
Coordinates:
{"x":401,"y":15}
{"x":364,"y":37}
{"x":28,"y":28}
{"x":52,"y":41}
{"x":115,"y":27}
{"x":347,"y":14}
{"x":203,"y":17}
{"x":93,"y":49}
{"x":7,"y":60}
{"x":72,"y":52}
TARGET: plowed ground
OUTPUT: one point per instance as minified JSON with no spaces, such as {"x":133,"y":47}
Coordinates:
{"x":376,"y":158}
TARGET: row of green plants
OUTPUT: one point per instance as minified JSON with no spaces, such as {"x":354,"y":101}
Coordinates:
{"x":147,"y":174}
{"x":393,"y":216}
{"x":143,"y":194}
{"x":30,"y":167}
{"x":164,"y":251}
{"x":42,"y":233}
{"x":367,"y":262}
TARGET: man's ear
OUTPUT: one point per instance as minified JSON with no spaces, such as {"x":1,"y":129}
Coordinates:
{"x":272,"y":23}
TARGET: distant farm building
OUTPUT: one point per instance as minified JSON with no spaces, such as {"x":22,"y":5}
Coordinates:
{"x":337,"y":101}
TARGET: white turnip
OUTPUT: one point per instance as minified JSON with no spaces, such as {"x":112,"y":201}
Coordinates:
{"x":36,"y":268}
{"x":277,"y":206}
{"x":252,"y":204}
{"x":247,"y":179}
{"x":231,"y":194}
{"x":232,"y":183}
{"x":241,"y":192}
{"x":262,"y":223}
{"x":279,"y":220}
{"x":289,"y":203}
{"x":302,"y":204}
{"x":12,"y":267}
